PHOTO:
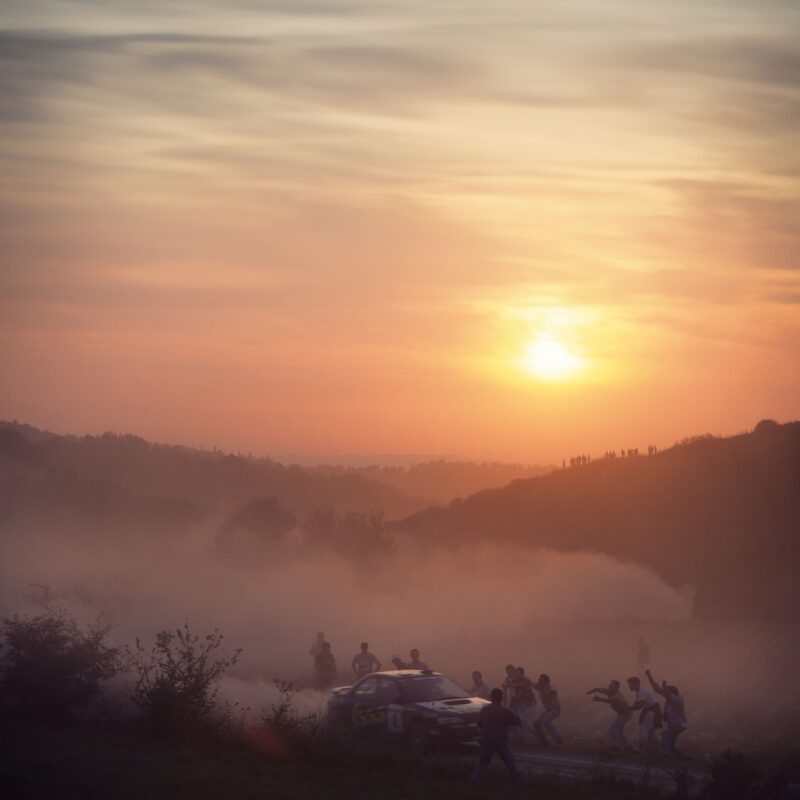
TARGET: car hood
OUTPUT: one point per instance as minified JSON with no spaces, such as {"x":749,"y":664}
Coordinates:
{"x":461,"y":705}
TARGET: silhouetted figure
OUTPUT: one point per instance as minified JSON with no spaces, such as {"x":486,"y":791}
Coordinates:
{"x":480,"y":687}
{"x":674,"y":716}
{"x":552,"y":709}
{"x":364,"y":662}
{"x":649,"y":714}
{"x":511,"y":672}
{"x":523,"y":701}
{"x":316,"y":645}
{"x":643,"y":654}
{"x":493,"y":723}
{"x":325,"y":665}
{"x":415,"y":663}
{"x":619,"y":705}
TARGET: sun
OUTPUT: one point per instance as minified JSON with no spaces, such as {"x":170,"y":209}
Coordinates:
{"x":549,"y":359}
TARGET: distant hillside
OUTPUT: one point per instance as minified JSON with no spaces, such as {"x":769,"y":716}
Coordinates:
{"x":120,"y":480}
{"x":719,"y":514}
{"x":440,"y":479}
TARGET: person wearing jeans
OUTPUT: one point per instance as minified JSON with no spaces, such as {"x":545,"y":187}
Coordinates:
{"x":674,"y":715}
{"x":523,"y":701}
{"x":552,"y":709}
{"x":650,"y":714}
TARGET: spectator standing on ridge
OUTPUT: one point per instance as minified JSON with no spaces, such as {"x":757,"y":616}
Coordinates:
{"x":494,"y":721}
{"x":619,"y":705}
{"x":480,"y":687}
{"x":325,"y":665}
{"x":649,"y":714}
{"x":675,"y":717}
{"x":552,"y":709}
{"x":364,"y":662}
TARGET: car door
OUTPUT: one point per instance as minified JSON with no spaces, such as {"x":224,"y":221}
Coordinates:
{"x":366,"y":704}
{"x":392,"y":705}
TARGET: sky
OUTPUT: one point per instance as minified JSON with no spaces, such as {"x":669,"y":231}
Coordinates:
{"x":502,"y":229}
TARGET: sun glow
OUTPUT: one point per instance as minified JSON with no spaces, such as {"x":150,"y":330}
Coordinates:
{"x":550,"y":360}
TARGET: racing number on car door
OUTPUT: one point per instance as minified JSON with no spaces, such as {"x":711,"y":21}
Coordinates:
{"x":394,"y":719}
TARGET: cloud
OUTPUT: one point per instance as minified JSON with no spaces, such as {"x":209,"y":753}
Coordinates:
{"x":769,"y":60}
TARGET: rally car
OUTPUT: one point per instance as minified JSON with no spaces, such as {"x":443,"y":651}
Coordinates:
{"x":423,"y":707}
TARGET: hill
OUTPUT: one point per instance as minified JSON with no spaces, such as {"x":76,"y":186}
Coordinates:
{"x":720,"y":516}
{"x":440,"y":479}
{"x":123,"y":480}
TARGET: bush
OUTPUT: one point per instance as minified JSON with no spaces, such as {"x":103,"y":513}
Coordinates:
{"x":50,"y":666}
{"x":178,"y":679}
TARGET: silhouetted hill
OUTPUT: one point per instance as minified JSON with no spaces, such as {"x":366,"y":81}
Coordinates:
{"x":719,"y":514}
{"x":119,"y":480}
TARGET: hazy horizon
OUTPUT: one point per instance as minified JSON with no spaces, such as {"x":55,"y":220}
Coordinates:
{"x":366,"y":459}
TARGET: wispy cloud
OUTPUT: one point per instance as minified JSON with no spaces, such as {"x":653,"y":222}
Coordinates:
{"x":400,"y":172}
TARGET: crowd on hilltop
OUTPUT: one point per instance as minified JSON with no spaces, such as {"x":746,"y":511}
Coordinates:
{"x":629,"y":452}
{"x":536,"y":716}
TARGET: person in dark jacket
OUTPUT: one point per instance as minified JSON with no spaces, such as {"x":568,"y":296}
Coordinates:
{"x":494,"y":722}
{"x":325,"y":665}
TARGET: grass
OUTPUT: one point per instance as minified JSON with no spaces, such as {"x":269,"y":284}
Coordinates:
{"x":118,"y":763}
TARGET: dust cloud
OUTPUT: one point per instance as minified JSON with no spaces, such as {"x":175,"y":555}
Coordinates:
{"x":576,"y":616}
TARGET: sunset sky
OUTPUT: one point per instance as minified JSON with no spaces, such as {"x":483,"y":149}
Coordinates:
{"x":490,"y":228}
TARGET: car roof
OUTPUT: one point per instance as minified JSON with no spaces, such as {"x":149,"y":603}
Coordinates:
{"x":407,"y":673}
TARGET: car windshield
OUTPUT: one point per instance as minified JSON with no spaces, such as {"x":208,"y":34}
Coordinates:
{"x":435,"y":687}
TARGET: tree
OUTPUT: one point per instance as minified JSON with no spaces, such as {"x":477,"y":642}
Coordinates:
{"x":261,"y":521}
{"x":355,"y":535}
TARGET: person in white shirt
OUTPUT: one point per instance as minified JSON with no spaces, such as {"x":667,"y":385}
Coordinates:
{"x":649,"y":714}
{"x":415,"y":663}
{"x":364,"y":662}
{"x":674,"y":716}
{"x":480,"y":687}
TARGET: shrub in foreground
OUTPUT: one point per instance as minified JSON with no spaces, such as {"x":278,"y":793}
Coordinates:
{"x":178,"y":679}
{"x":51,"y":666}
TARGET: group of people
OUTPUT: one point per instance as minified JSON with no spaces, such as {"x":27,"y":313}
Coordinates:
{"x":363,"y":663}
{"x":630,"y":452}
{"x":514,"y":706}
{"x":519,"y":696}
{"x":671,"y":719}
